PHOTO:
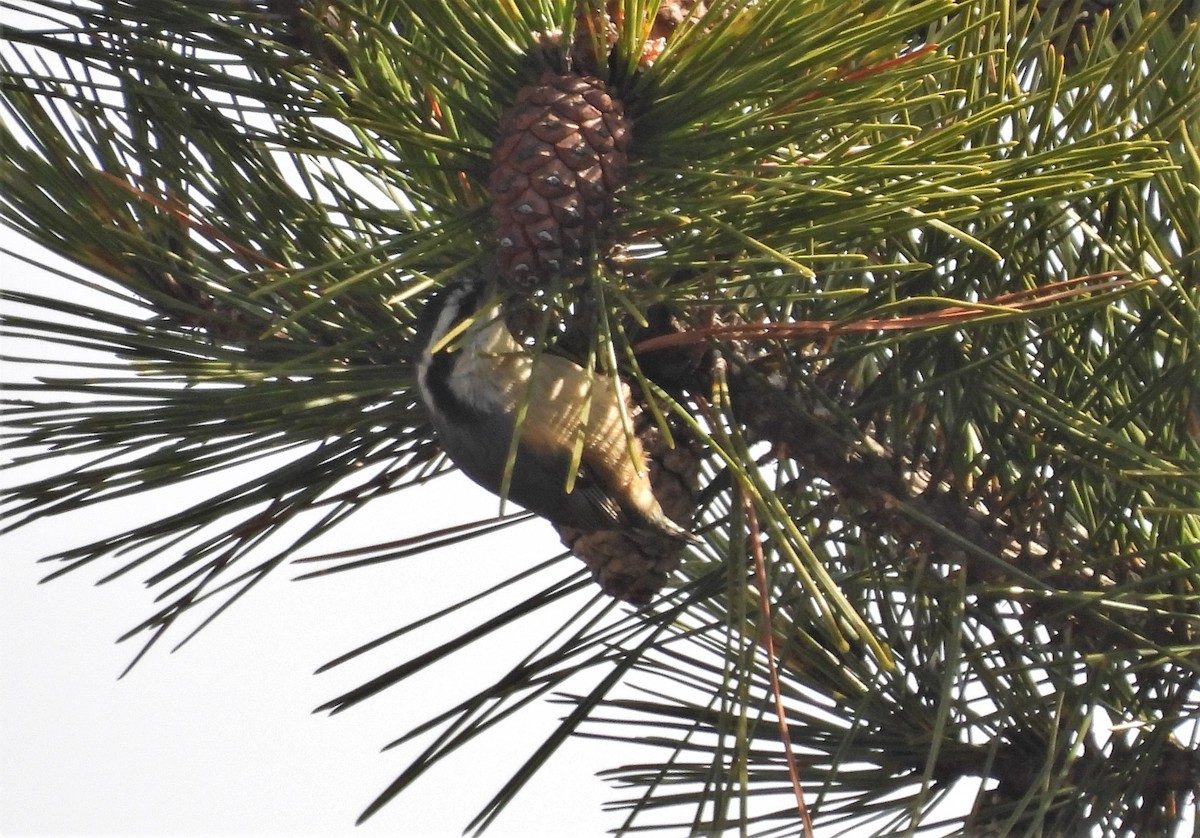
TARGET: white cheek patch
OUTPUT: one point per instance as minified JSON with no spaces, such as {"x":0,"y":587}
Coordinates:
{"x":489,"y":370}
{"x":490,"y":384}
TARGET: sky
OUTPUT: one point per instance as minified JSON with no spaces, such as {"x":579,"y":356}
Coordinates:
{"x":219,"y":737}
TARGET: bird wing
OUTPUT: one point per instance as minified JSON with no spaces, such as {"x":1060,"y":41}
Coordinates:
{"x":539,"y":474}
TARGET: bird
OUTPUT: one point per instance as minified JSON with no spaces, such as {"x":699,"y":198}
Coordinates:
{"x":473,"y":380}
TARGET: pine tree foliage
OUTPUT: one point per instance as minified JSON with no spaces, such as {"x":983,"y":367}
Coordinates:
{"x":944,"y":256}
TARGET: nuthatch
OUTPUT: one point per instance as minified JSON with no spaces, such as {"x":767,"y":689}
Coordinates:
{"x":473,"y":386}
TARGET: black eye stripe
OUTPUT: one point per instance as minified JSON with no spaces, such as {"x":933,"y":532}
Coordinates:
{"x":445,"y":400}
{"x":444,"y":310}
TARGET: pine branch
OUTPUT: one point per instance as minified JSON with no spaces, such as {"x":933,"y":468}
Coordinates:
{"x":980,"y":526}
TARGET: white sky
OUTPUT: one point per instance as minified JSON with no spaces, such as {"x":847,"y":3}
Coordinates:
{"x":218,"y":738}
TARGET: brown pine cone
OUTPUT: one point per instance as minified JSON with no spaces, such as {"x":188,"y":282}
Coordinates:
{"x":595,"y":27}
{"x":558,"y":162}
{"x":634,"y":566}
{"x":308,"y":24}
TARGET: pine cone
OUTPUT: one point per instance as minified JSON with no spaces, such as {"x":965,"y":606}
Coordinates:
{"x":308,"y":24}
{"x":558,"y":162}
{"x":634,"y":566}
{"x":592,"y":26}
